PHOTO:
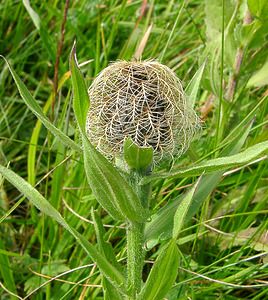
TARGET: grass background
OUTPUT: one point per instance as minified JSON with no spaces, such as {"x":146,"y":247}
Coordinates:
{"x":225,"y":244}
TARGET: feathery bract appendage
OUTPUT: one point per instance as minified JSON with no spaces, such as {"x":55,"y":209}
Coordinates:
{"x":144,"y":101}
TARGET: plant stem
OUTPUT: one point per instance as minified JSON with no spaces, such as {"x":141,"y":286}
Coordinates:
{"x":135,"y":238}
{"x":135,"y":257}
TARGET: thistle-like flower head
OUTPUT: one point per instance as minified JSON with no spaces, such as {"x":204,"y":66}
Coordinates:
{"x":142,"y":100}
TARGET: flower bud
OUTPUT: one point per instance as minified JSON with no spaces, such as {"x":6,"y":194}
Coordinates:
{"x":144,"y":101}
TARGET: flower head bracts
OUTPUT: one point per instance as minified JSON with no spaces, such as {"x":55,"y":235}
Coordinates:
{"x":143,"y":101}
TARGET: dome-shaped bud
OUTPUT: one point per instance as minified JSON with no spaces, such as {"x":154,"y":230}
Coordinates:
{"x":144,"y":101}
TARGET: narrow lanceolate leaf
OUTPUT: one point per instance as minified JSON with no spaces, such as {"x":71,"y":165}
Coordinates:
{"x":37,"y":110}
{"x":110,"y":189}
{"x":182,"y":210}
{"x":161,"y":225}
{"x":34,"y":16}
{"x":162,"y":275}
{"x":6,"y":270}
{"x":138,"y":158}
{"x":216,"y":164}
{"x":193,"y":86}
{"x":80,"y":95}
{"x":112,"y":273}
{"x":104,"y":246}
{"x":33,"y":146}
{"x":106,"y":249}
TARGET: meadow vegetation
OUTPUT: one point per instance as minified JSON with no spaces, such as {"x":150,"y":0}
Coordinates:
{"x":219,"y":50}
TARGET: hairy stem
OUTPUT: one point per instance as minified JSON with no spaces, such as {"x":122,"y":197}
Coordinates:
{"x":135,"y":238}
{"x":135,"y":256}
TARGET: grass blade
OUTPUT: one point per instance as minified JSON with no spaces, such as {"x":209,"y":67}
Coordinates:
{"x":6,"y":270}
{"x":34,"y":16}
{"x":37,"y":110}
{"x":193,"y":86}
{"x":161,"y":225}
{"x":114,"y":276}
{"x":162,"y":275}
{"x":182,"y":210}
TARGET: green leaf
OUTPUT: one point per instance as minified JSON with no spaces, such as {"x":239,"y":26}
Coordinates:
{"x":80,"y":94}
{"x":104,"y":246}
{"x":213,"y":17}
{"x":182,"y":210}
{"x":193,"y":86}
{"x":162,"y":275}
{"x":101,"y":180}
{"x":37,"y":110}
{"x":209,"y":182}
{"x":33,"y":146}
{"x":138,"y":158}
{"x":34,"y":16}
{"x":216,"y":164}
{"x":49,"y":45}
{"x":161,"y":225}
{"x":213,"y":20}
{"x":6,"y":270}
{"x":110,"y":189}
{"x":258,"y":8}
{"x":112,"y":273}
{"x":47,"y":42}
{"x":260,"y":78}
{"x":110,"y":293}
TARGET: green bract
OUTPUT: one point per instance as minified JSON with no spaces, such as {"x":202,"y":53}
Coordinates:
{"x":137,"y":158}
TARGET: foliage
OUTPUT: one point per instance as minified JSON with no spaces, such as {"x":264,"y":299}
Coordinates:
{"x":217,"y":249}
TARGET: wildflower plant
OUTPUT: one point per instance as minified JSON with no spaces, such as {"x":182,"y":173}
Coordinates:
{"x":129,"y":226}
{"x":137,"y":113}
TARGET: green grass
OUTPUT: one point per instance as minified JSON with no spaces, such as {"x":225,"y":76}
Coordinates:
{"x":223,"y":246}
